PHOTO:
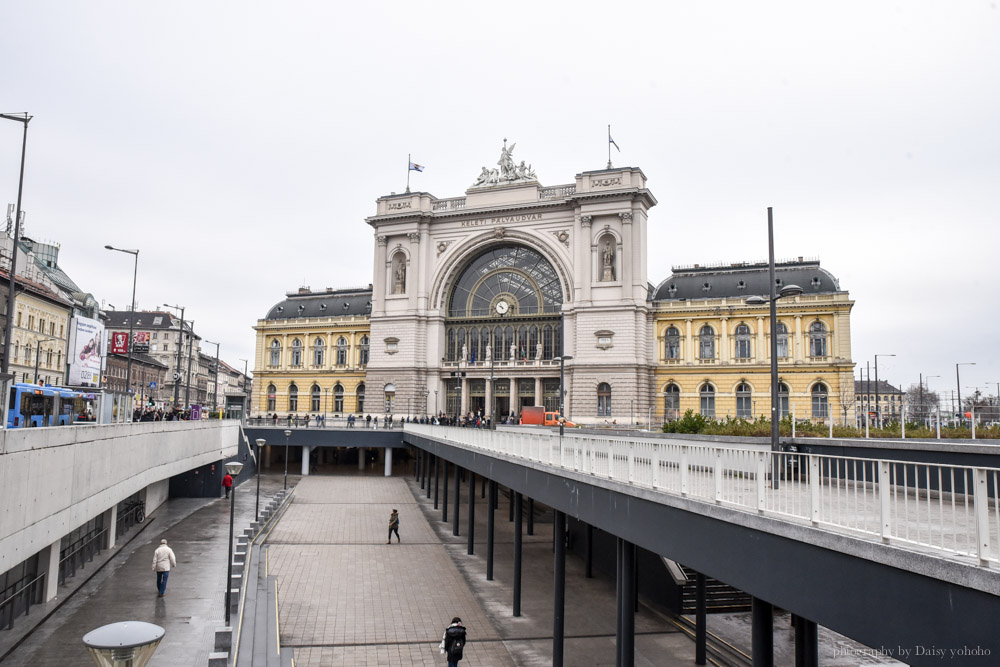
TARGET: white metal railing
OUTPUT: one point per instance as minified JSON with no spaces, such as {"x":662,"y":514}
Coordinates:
{"x":943,"y":509}
{"x":556,"y":192}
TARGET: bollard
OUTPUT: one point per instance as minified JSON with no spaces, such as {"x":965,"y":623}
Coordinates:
{"x":223,"y":639}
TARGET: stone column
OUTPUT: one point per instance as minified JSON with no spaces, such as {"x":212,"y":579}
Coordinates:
{"x":586,"y":256}
{"x":413,"y":270}
{"x":305,"y":459}
{"x":625,"y":255}
{"x":539,"y":399}
{"x":361,"y":458}
{"x":724,"y":341}
{"x":689,"y":352}
{"x":763,"y":349}
{"x":388,"y":461}
{"x":48,"y":562}
{"x":378,"y":297}
{"x":513,"y":396}
{"x":489,"y":399}
{"x":464,"y":403}
{"x":799,"y":352}
{"x":111,"y":523}
{"x":835,"y":342}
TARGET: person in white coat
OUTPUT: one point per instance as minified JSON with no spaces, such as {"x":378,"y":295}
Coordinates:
{"x":163,"y":560}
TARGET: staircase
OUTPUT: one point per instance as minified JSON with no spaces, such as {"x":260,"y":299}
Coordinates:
{"x":720,"y":598}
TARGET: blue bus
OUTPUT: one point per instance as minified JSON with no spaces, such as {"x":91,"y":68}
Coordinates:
{"x":34,"y":405}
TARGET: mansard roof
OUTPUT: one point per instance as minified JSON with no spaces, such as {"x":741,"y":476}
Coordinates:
{"x":743,"y":279}
{"x":329,"y":303}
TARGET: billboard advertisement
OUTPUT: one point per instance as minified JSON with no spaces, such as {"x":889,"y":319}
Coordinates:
{"x":119,"y":342}
{"x":86,"y":344}
{"x":141,"y":342}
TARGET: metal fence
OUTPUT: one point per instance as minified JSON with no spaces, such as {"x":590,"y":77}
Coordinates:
{"x":936,"y":508}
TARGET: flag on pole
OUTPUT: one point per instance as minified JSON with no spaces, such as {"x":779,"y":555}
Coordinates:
{"x":419,"y":167}
{"x":612,"y":141}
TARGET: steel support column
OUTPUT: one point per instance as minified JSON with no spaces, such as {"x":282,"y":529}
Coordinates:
{"x":806,"y":642}
{"x":701,"y":617}
{"x":444,"y":495}
{"x":472,"y":514}
{"x":559,"y":596}
{"x":437,"y":479}
{"x":517,"y":553}
{"x":763,"y":633}
{"x":429,"y":475}
{"x":490,"y":525}
{"x":531,"y":516}
{"x":588,"y":552}
{"x":619,"y":641}
{"x":628,"y":595}
{"x":458,"y":499}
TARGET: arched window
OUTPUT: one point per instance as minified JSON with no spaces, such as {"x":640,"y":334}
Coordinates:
{"x":783,"y":410}
{"x":389,"y":393}
{"x":782,"y":341}
{"x":744,"y":401}
{"x":742,"y":341}
{"x":293,"y":398}
{"x":707,"y":396}
{"x":315,"y":395}
{"x":364,"y":351}
{"x":672,"y":402}
{"x":275,"y":353}
{"x":318,"y":348}
{"x":817,"y":339}
{"x":341,"y":351}
{"x":820,"y":402}
{"x":604,"y":400}
{"x":361,"y":397}
{"x":338,"y":398}
{"x":706,"y":343}
{"x":272,"y":398}
{"x":296,"y":352}
{"x":16,"y":345}
{"x":673,"y":344}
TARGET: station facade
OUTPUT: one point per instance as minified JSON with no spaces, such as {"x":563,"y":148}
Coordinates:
{"x":492,"y":298}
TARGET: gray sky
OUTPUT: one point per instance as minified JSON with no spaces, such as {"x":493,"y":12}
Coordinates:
{"x":240,"y":146}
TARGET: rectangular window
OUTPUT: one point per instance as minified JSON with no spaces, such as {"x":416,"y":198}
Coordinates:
{"x":31,"y":321}
{"x":18,"y":318}
{"x":165,"y":346}
{"x":708,"y":405}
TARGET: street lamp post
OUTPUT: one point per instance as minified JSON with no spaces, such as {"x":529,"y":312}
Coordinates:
{"x":772,"y":301}
{"x":180,"y":346}
{"x":131,"y":317}
{"x":123,"y":644}
{"x":435,"y":403}
{"x":287,"y":435}
{"x":9,"y":325}
{"x":233,"y":468}
{"x":958,"y":385}
{"x":260,"y":443}
{"x":187,"y":379}
{"x":878,"y":407}
{"x":246,"y":392}
{"x":562,"y":391}
{"x":38,"y":353}
{"x":215,"y":383}
{"x":493,"y":388}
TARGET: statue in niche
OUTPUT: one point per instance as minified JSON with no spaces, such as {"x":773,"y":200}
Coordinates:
{"x":513,"y":352}
{"x":465,"y":352}
{"x":399,"y":286}
{"x":608,"y":261}
{"x":489,"y":352}
{"x":538,"y":352}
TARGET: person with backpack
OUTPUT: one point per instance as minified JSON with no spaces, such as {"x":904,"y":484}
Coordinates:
{"x":453,"y":642}
{"x":393,"y":526}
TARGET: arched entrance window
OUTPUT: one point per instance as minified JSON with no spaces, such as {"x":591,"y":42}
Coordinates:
{"x":706,"y":343}
{"x":817,"y":339}
{"x":671,"y":402}
{"x":604,"y":400}
{"x":314,"y":397}
{"x":361,"y":397}
{"x":744,"y":401}
{"x":293,"y":397}
{"x":272,"y":398}
{"x":275,"y":353}
{"x":296,"y":352}
{"x":782,"y":341}
{"x":673,"y":344}
{"x":338,"y":398}
{"x":820,"y":401}
{"x":707,"y":400}
{"x":364,"y":351}
{"x":318,"y":349}
{"x":341,"y":351}
{"x":742,"y":342}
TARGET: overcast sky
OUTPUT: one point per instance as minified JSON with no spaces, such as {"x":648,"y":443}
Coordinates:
{"x":240,"y":146}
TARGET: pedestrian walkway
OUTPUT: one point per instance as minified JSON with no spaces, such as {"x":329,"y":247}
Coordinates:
{"x":125,"y":588}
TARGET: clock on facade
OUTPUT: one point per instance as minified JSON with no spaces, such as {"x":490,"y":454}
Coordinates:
{"x":502,"y":307}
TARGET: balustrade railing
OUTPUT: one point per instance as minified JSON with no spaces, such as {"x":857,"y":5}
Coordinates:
{"x":938,"y":508}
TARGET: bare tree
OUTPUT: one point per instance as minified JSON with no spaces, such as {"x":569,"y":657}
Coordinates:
{"x":847,"y":398}
{"x":921,"y":403}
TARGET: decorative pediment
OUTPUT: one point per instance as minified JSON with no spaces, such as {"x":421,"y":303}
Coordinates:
{"x":506,"y":170}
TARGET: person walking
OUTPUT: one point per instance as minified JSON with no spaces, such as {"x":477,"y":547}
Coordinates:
{"x":393,"y":526}
{"x":163,"y":560}
{"x":227,"y":483}
{"x":453,"y":642}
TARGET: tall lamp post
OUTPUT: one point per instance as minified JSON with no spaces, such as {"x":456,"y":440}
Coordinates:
{"x":131,"y":317}
{"x":878,"y":407}
{"x":215,"y":383}
{"x":260,"y":443}
{"x":9,"y":326}
{"x":562,"y":391}
{"x":287,"y":435}
{"x":772,"y":300}
{"x":926,"y":379}
{"x":246,"y":392}
{"x":958,"y":385}
{"x":38,"y":353}
{"x":233,"y":468}
{"x":180,"y":346}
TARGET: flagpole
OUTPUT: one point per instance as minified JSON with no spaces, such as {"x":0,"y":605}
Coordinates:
{"x":609,"y":146}
{"x":408,"y":160}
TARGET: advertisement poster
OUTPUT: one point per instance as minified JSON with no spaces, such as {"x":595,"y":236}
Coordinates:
{"x":141,"y":342}
{"x":86,"y":343}
{"x":119,"y":342}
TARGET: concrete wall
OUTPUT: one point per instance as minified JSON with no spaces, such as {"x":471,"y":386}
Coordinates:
{"x":55,"y":479}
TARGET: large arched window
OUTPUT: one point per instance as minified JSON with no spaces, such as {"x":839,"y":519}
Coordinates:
{"x":604,"y":400}
{"x":363,"y":358}
{"x":820,"y":401}
{"x":275,"y":353}
{"x":706,"y":343}
{"x":673,"y":344}
{"x":671,"y":402}
{"x":817,"y":339}
{"x":315,"y":396}
{"x":272,"y":398}
{"x":744,"y":401}
{"x":341,"y":351}
{"x":518,"y":274}
{"x":742,"y":342}
{"x":293,"y":398}
{"x":782,"y":341}
{"x":360,"y":392}
{"x":318,"y":348}
{"x":783,"y":410}
{"x":338,"y":398}
{"x":296,"y":352}
{"x":707,"y":396}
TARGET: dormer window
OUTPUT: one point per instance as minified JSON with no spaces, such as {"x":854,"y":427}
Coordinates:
{"x":816,"y":282}
{"x":740,"y":284}
{"x":322,"y":306}
{"x":347,"y":305}
{"x":280,"y":308}
{"x":672,"y":290}
{"x":705,"y":287}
